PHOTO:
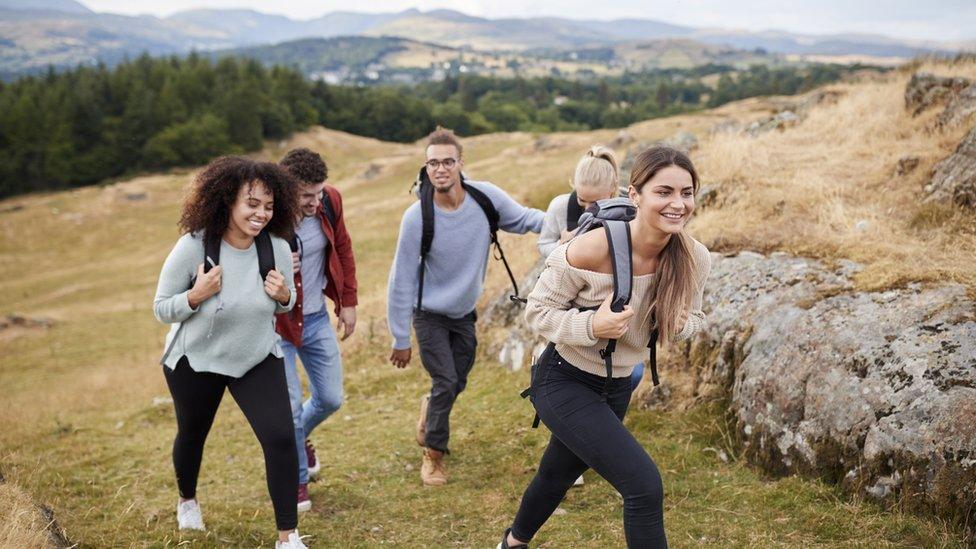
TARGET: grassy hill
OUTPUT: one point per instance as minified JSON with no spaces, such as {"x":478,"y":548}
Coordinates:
{"x":85,"y":427}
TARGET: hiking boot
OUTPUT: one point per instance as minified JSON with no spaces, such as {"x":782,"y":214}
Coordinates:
{"x":314,"y":465}
{"x":504,"y":544}
{"x":188,"y":515}
{"x":294,"y":542}
{"x":432,"y":471}
{"x":304,"y":502}
{"x":422,"y":421}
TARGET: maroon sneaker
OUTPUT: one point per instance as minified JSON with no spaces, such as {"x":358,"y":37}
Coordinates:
{"x":313,"y":463}
{"x":304,"y":502}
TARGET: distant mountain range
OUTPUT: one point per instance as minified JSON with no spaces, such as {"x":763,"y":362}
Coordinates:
{"x":38,"y":33}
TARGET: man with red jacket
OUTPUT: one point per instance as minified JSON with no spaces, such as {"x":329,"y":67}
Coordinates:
{"x":323,"y":266}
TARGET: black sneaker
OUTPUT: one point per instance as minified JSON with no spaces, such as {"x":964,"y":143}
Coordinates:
{"x":504,"y":544}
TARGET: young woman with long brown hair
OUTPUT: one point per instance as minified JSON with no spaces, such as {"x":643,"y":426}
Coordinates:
{"x":669,"y":272}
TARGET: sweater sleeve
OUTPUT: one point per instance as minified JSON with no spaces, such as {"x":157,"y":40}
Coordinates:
{"x":283,"y":265}
{"x":550,"y":311}
{"x":402,"y":286}
{"x":551,"y":230}
{"x":171,"y":304}
{"x":512,"y":216}
{"x":696,"y":317}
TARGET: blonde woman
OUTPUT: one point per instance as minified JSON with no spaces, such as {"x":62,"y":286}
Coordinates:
{"x":595,"y":179}
{"x":669,"y":273}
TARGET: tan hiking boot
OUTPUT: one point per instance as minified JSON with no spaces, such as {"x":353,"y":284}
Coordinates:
{"x":422,"y":421}
{"x":432,"y":471}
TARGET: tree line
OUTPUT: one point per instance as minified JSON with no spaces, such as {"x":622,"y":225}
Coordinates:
{"x":88,"y":124}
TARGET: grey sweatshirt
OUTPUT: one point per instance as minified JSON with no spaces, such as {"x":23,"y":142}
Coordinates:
{"x":458,"y":258}
{"x":553,"y":225}
{"x":232,"y":331}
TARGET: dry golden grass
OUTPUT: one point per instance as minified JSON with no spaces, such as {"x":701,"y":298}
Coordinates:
{"x":21,"y":522}
{"x":806,"y":189}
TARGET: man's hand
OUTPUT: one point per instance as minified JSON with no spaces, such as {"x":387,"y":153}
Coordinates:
{"x":400,"y":357}
{"x":347,"y":322}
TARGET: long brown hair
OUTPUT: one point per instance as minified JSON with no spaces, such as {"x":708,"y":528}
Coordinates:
{"x":675,"y":279}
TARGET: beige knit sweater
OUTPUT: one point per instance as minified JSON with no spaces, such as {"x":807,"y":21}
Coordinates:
{"x":553,"y":312}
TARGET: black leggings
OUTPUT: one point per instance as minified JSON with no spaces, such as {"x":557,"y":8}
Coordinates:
{"x":262,"y":394}
{"x":588,"y":432}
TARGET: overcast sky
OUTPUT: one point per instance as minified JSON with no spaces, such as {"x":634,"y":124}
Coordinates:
{"x":925,"y":20}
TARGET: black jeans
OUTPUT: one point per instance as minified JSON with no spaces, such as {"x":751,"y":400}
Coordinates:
{"x":447,"y":349}
{"x":588,"y":432}
{"x":262,"y":394}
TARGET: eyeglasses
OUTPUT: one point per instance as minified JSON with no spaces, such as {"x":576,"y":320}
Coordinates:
{"x":448,"y":163}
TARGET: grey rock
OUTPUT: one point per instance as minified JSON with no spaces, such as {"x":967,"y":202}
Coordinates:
{"x":954,"y":179}
{"x":925,"y":90}
{"x":874,"y":390}
{"x":959,"y":108}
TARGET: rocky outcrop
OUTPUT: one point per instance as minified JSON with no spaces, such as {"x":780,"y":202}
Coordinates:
{"x":925,"y":90}
{"x":954,"y":179}
{"x":958,"y":94}
{"x":875,"y":391}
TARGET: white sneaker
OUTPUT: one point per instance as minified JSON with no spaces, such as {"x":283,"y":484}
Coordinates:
{"x":188,"y":515}
{"x":294,"y":542}
{"x":579,"y":481}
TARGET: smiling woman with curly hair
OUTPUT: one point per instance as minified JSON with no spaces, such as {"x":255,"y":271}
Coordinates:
{"x":222,"y":333}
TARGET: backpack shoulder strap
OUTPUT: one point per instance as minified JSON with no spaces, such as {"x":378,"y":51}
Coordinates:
{"x":266,"y":260}
{"x":493,"y":217}
{"x":573,"y":212}
{"x":487,"y":206}
{"x":211,"y":252}
{"x":330,"y":213}
{"x":618,"y":239}
{"x":426,"y":235}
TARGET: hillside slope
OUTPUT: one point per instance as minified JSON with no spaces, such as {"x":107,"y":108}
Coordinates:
{"x":86,"y":428}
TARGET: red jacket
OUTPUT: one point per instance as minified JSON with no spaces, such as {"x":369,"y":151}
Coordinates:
{"x":340,"y":272}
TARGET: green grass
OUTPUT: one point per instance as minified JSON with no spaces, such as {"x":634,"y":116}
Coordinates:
{"x":80,"y":432}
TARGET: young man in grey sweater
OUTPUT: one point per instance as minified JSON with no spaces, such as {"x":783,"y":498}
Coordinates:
{"x":454,"y":272}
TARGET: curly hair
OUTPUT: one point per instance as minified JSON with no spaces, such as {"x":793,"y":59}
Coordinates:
{"x":305,"y":165}
{"x":214,"y":191}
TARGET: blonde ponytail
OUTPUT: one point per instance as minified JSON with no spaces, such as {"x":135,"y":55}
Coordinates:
{"x":597,"y":168}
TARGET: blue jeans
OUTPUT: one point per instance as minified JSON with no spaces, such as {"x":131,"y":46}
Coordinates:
{"x":320,"y":356}
{"x":636,"y":375}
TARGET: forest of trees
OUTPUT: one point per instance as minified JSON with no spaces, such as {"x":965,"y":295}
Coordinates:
{"x":92,"y":123}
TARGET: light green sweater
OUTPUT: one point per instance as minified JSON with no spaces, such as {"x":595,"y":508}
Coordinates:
{"x":232,"y":331}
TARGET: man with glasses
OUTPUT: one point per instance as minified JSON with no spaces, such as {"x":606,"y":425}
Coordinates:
{"x":453,"y":277}
{"x":324,"y":266}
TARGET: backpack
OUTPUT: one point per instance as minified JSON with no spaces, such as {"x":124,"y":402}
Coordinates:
{"x":574,"y":211}
{"x":425,"y":193}
{"x":613,"y":215}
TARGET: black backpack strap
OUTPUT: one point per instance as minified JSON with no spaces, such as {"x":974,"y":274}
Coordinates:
{"x":618,"y":240}
{"x":330,"y":213}
{"x":652,"y":355}
{"x":266,"y":260}
{"x":211,"y":252}
{"x":426,"y":232}
{"x":573,"y":212}
{"x":492,"y":214}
